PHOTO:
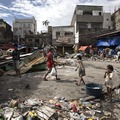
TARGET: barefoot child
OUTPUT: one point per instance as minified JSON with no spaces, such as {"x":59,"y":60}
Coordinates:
{"x":108,"y":80}
{"x":81,"y":69}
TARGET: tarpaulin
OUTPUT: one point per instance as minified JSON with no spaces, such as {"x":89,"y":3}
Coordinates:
{"x":82,"y":48}
{"x":103,"y":43}
{"x":118,"y":47}
{"x":114,"y":41}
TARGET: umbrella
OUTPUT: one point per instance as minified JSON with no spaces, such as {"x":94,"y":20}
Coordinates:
{"x":118,"y":47}
{"x":114,"y":41}
{"x":102,"y":43}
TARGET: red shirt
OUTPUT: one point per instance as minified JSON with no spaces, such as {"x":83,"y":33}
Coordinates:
{"x":49,"y":61}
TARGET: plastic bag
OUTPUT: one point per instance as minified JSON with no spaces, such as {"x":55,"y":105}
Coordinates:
{"x":53,"y":72}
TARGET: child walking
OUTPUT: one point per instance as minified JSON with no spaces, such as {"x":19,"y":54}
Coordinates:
{"x":81,"y":69}
{"x":108,"y":76}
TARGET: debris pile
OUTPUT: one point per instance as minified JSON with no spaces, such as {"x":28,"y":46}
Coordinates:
{"x":57,"y":108}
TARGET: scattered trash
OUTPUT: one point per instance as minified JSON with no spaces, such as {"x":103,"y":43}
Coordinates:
{"x":10,"y":89}
{"x":57,"y":108}
{"x":13,"y":103}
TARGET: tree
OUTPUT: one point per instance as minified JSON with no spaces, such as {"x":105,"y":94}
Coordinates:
{"x":46,"y":23}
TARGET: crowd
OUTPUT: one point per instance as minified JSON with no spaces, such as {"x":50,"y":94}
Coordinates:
{"x":102,"y":54}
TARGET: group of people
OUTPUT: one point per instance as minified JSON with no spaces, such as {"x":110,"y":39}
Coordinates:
{"x":51,"y":63}
{"x":108,"y":76}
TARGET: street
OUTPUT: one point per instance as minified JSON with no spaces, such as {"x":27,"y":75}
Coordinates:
{"x":31,"y":85}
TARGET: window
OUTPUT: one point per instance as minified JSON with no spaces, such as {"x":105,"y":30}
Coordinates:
{"x":96,"y":25}
{"x":57,"y":33}
{"x":68,"y":33}
{"x":37,"y":41}
{"x":24,"y":25}
{"x":108,"y":27}
{"x":28,"y":25}
{"x":87,"y":12}
{"x":82,"y":25}
{"x":100,"y":13}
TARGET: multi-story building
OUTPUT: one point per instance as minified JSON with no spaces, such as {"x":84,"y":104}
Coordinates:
{"x":21,"y":27}
{"x":63,"y":38}
{"x":116,"y":19}
{"x":89,"y":20}
{"x":38,"y":40}
{"x":107,"y":21}
{"x":5,"y":31}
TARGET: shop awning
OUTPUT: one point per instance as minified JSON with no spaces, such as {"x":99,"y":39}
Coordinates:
{"x":82,"y":48}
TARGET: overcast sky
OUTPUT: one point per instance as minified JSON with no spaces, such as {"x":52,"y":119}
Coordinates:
{"x":57,"y":12}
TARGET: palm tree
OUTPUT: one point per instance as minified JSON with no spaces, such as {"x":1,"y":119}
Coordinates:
{"x":46,"y":23}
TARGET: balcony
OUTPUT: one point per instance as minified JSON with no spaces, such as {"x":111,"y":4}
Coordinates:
{"x":89,"y":18}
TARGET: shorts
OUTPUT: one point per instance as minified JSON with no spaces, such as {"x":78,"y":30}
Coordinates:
{"x":16,"y":64}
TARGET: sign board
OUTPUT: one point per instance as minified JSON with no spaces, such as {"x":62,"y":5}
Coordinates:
{"x":65,"y":39}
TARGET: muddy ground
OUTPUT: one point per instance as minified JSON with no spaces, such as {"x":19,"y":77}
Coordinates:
{"x":12,"y":86}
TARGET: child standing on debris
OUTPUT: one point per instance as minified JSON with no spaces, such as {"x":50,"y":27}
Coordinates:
{"x":81,"y":69}
{"x":108,"y":80}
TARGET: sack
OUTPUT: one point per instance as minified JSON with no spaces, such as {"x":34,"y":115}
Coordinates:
{"x":53,"y":72}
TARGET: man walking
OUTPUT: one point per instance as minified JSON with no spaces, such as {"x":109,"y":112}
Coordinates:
{"x":50,"y":63}
{"x":16,"y":60}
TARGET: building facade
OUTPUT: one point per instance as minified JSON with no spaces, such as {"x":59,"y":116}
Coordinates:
{"x":6,"y":33}
{"x":88,"y":21}
{"x":63,"y":38}
{"x":107,"y":21}
{"x":21,"y":27}
{"x":116,"y":19}
{"x":38,"y":40}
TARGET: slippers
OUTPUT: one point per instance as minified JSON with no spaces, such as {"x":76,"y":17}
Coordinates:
{"x":57,"y":78}
{"x":45,"y":79}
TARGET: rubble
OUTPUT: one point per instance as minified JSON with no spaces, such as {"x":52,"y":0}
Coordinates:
{"x":57,"y":108}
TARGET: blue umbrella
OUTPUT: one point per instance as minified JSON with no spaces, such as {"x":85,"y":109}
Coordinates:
{"x":118,"y":47}
{"x":114,"y":41}
{"x":101,"y":43}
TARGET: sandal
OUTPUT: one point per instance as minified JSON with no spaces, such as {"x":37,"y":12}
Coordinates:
{"x":45,"y":79}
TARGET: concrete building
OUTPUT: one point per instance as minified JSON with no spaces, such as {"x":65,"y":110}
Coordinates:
{"x":21,"y":27}
{"x":38,"y":40}
{"x":116,"y":19}
{"x":63,"y":38}
{"x":107,"y":21}
{"x":88,"y":21}
{"x":5,"y":31}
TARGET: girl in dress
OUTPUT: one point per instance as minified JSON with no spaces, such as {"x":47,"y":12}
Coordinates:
{"x":81,"y":69}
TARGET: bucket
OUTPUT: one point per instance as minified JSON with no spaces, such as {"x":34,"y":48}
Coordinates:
{"x":94,"y":89}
